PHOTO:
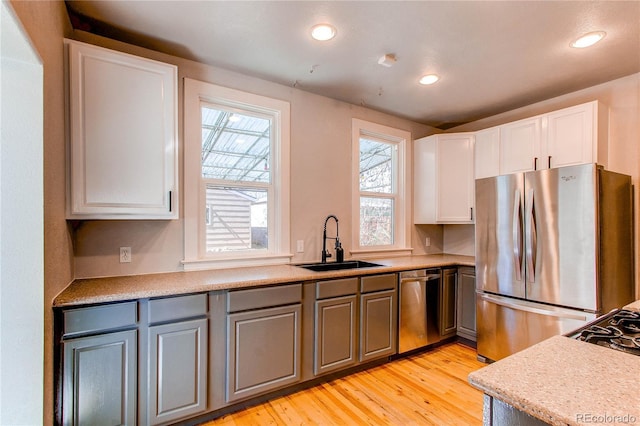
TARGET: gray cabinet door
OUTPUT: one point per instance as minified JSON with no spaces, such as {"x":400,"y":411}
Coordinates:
{"x":177,"y":370}
{"x":467,"y":303}
{"x":378,"y":324}
{"x":335,"y":334}
{"x":263,"y":351}
{"x":99,"y":382}
{"x":448,"y":302}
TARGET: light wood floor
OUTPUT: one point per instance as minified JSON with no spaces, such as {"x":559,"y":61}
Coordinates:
{"x":426,"y":389}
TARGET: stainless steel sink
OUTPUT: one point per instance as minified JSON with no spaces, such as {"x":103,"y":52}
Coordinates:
{"x":335,"y":266}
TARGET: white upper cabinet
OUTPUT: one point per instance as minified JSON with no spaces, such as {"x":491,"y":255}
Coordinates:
{"x":487,"y":153}
{"x":444,"y":179}
{"x":570,"y":136}
{"x":520,"y":146}
{"x":577,"y":135}
{"x":123,"y":155}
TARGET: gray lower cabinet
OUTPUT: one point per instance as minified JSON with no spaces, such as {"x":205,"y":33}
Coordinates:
{"x":177,"y":358}
{"x":467,"y":303}
{"x":378,"y":317}
{"x":99,"y":380}
{"x":335,"y":334}
{"x":263,"y":343}
{"x":335,"y":325}
{"x":448,"y":294}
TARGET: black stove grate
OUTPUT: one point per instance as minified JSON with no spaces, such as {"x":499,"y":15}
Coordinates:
{"x":619,"y":330}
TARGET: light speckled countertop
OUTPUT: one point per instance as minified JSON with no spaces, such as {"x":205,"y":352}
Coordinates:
{"x":112,"y":289}
{"x":563,"y":381}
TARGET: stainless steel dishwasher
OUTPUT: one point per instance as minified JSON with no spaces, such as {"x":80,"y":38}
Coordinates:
{"x":419,"y":310}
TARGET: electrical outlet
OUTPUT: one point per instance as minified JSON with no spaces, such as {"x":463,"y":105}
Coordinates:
{"x":300,"y":246}
{"x":427,"y":242}
{"x":125,"y":254}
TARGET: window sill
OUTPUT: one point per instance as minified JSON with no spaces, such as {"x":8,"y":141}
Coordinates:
{"x":237,"y":262}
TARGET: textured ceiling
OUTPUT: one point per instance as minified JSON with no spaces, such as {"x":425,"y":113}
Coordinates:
{"x":492,"y":56}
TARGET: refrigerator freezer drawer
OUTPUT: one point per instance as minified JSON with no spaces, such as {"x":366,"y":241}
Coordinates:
{"x":507,"y":325}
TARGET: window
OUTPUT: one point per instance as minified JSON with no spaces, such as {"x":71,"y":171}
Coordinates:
{"x":380,"y":187}
{"x":236,"y":178}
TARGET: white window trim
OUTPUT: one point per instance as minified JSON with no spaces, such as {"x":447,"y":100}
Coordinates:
{"x":402,"y":212}
{"x":279,"y":251}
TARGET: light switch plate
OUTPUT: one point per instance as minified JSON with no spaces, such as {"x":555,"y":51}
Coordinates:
{"x":300,"y":246}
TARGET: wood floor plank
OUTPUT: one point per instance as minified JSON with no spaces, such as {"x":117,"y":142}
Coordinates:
{"x":424,"y":389}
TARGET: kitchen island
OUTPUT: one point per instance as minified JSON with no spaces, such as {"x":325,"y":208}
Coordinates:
{"x":562,"y":381}
{"x":114,"y":289}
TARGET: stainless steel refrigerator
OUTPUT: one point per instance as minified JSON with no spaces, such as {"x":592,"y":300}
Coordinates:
{"x":554,"y":249}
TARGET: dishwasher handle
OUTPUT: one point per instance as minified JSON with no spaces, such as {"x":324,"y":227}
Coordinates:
{"x":424,"y":279}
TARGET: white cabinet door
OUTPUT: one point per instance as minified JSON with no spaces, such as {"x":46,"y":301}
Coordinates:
{"x":444,"y":179}
{"x":456,"y":182}
{"x":487,"y":153}
{"x":123,"y":136}
{"x":572,"y":136}
{"x":521,"y":146}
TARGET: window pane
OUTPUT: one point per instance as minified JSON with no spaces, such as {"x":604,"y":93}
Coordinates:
{"x":376,"y":221}
{"x":236,"y":219}
{"x":235,"y":146}
{"x":376,"y":166}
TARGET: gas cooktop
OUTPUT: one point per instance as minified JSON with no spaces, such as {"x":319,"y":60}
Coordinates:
{"x":619,"y":330}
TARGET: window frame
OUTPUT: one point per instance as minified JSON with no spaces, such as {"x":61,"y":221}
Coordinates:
{"x":197,"y":93}
{"x":401,"y":212}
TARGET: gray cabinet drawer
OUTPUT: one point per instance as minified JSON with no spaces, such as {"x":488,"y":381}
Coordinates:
{"x":100,"y":318}
{"x":378,"y":283}
{"x":335,"y":288}
{"x":176,"y":308}
{"x":264,"y":297}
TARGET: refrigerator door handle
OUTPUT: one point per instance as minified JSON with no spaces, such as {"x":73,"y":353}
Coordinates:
{"x":517,"y":235}
{"x":553,"y":312}
{"x":531,"y":243}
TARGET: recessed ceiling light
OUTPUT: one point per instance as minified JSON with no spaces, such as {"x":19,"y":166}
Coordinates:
{"x":588,"y":39}
{"x":323,"y":32}
{"x":429,"y":79}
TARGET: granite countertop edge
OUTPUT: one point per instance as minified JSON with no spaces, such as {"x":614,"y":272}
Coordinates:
{"x":551,"y":381}
{"x":86,"y":291}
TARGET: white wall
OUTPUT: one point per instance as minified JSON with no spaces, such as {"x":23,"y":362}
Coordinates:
{"x":21,"y":227}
